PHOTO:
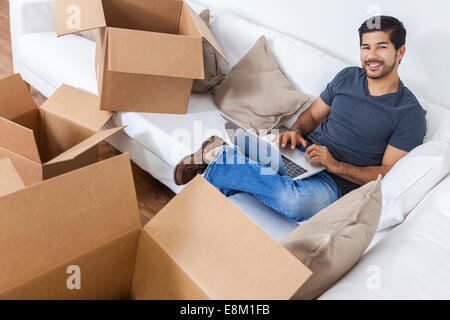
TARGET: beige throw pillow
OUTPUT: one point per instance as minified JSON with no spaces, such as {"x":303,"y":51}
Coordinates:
{"x":256,"y":93}
{"x":332,"y":241}
{"x":213,"y":77}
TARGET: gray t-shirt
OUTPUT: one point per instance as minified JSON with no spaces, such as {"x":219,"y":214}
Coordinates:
{"x":360,"y":126}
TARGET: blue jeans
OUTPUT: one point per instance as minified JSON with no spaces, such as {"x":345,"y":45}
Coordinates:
{"x":231,"y":172}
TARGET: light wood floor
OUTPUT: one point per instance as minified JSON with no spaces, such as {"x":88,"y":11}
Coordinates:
{"x":152,"y":195}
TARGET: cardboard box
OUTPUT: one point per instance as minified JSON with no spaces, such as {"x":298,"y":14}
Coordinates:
{"x":78,"y":236}
{"x":148,"y":52}
{"x":59,"y":136}
{"x":10,"y":181}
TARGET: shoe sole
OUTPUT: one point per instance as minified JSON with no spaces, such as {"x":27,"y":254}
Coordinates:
{"x":204,"y":144}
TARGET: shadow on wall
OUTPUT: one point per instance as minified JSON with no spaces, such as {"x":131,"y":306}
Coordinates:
{"x":435,"y":59}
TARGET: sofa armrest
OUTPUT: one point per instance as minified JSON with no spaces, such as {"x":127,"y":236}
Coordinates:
{"x":30,"y":16}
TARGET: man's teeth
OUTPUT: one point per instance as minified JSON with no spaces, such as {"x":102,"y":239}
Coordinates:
{"x":374,"y":65}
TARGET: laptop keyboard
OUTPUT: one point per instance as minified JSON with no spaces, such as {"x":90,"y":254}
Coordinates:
{"x":293,"y":170}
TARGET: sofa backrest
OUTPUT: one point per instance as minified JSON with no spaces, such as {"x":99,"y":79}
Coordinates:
{"x":307,"y":68}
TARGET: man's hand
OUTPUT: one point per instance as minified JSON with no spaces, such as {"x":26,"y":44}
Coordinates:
{"x":290,"y":137}
{"x":321,"y":154}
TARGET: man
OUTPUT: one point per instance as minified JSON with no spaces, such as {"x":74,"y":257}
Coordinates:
{"x":361,"y":125}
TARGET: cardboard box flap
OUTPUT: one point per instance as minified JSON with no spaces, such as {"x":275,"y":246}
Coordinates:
{"x":73,"y":16}
{"x":51,"y":223}
{"x":84,"y":146}
{"x":10,"y":180}
{"x":19,"y":140}
{"x":15,"y":98}
{"x":221,"y":249}
{"x":155,"y":53}
{"x":148,"y":15}
{"x":205,"y":31}
{"x":77,"y":106}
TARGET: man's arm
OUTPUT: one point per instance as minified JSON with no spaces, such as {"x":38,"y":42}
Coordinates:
{"x":306,"y":123}
{"x":309,"y":120}
{"x":355,"y":174}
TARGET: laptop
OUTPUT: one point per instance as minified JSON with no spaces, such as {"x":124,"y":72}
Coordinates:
{"x":291,"y":162}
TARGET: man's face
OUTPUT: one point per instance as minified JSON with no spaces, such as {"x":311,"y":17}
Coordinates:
{"x":378,"y":55}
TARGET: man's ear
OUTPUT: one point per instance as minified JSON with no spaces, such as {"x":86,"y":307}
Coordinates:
{"x":401,"y":53}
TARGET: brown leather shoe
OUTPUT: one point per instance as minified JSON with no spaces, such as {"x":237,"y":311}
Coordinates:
{"x":194,"y":164}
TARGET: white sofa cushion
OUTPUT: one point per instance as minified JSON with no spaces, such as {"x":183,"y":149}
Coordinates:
{"x":438,"y":121}
{"x":172,"y":137}
{"x":275,"y":224}
{"x":69,"y":59}
{"x":407,"y":183}
{"x":412,"y":262}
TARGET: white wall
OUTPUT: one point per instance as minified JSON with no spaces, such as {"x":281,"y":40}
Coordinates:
{"x":332,"y":26}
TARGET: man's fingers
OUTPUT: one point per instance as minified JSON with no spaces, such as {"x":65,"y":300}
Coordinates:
{"x":314,"y":153}
{"x":293,"y":140}
{"x":311,"y":148}
{"x":284,"y":140}
{"x":301,"y":141}
{"x":314,"y":159}
{"x":278,"y":138}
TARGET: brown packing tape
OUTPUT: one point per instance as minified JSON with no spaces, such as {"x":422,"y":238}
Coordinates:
{"x":205,"y":31}
{"x":10,"y":180}
{"x":155,"y":53}
{"x":84,"y":146}
{"x":77,"y":106}
{"x":78,"y":215}
{"x":73,"y":16}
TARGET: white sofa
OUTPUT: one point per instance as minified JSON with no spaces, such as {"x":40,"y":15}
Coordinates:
{"x":156,"y":142}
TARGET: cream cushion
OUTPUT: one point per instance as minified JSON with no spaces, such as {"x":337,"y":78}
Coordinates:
{"x":332,"y":241}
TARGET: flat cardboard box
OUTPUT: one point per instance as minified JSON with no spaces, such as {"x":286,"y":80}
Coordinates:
{"x":78,"y":236}
{"x":59,"y":136}
{"x":148,"y":52}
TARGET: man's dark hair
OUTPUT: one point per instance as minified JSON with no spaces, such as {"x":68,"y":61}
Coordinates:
{"x":395,"y":28}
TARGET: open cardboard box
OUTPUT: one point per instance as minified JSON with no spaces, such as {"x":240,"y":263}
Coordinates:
{"x":59,"y":136}
{"x":78,"y":236}
{"x":148,"y":52}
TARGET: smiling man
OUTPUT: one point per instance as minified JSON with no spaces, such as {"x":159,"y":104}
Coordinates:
{"x":366,"y":118}
{"x":361,"y":125}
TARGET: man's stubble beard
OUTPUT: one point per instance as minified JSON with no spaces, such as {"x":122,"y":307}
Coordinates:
{"x":387,"y":69}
